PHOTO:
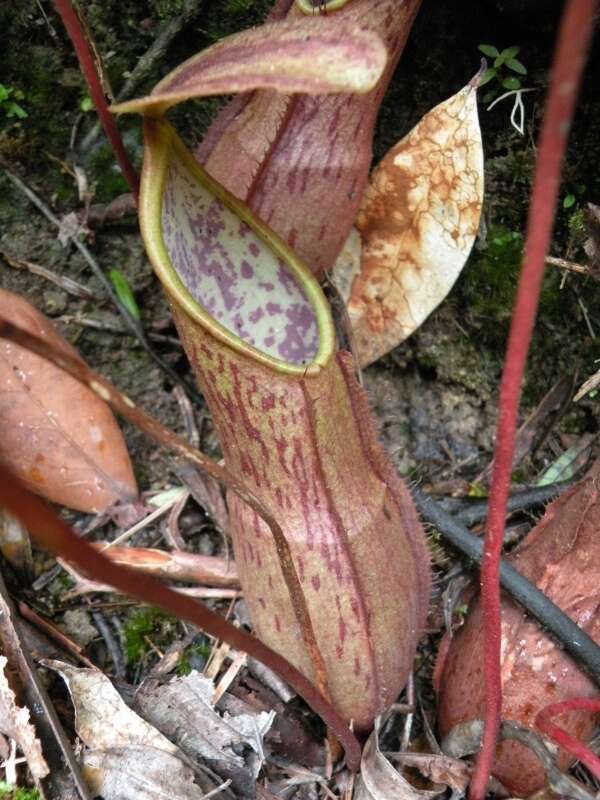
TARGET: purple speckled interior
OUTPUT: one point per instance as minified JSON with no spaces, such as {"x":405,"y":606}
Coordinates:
{"x":232,"y":274}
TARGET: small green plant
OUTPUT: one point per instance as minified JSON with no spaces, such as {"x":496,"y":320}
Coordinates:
{"x":8,"y":792}
{"x":124,"y":292}
{"x":503,"y":70}
{"x":8,"y":102}
{"x":503,"y":74}
{"x":191,"y":656}
{"x":139,"y":628}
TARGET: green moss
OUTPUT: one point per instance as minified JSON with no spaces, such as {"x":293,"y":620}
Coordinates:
{"x":167,"y":8}
{"x":8,"y":792}
{"x":145,"y":623}
{"x":194,"y":652}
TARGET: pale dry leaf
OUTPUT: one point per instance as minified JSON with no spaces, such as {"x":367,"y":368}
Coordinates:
{"x":102,"y":720}
{"x":15,"y":722}
{"x":182,"y":709}
{"x":57,"y":435}
{"x":126,"y":757}
{"x":380,"y":781}
{"x":139,"y":773}
{"x":417,"y":223}
{"x":15,"y":544}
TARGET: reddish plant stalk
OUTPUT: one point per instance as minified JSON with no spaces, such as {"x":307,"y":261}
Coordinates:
{"x":55,"y":535}
{"x":82,"y":47}
{"x":576,"y":748}
{"x":574,"y":36}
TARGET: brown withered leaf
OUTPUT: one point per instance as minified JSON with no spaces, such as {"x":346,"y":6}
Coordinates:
{"x":183,"y":710}
{"x":561,"y":556}
{"x":125,"y":757}
{"x":380,"y":781}
{"x":15,"y":722}
{"x":56,"y":434}
{"x":417,"y":223}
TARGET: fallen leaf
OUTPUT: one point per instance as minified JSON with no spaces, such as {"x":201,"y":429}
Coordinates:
{"x":139,"y":773}
{"x":417,"y":223}
{"x":561,"y":557}
{"x":15,"y":722}
{"x":58,"y":436}
{"x":302,"y":162}
{"x":183,"y":710}
{"x":380,"y":781}
{"x":126,"y":757}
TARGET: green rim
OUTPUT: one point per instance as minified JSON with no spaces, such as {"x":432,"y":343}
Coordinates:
{"x":160,"y":140}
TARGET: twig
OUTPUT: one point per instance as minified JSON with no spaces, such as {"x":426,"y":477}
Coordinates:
{"x":82,"y":43}
{"x":66,"y":284}
{"x":572,"y":638}
{"x":570,"y":266}
{"x":577,"y":749}
{"x":133,"y":324}
{"x":112,"y":645}
{"x":574,"y":37}
{"x":146,"y":62}
{"x":42,"y":711}
{"x":519,"y":501}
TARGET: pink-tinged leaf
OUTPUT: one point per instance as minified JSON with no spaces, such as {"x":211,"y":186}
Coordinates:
{"x":415,"y":228}
{"x":295,"y":428}
{"x":300,"y":162}
{"x":562,"y":557}
{"x":58,"y":436}
{"x":315,"y":56}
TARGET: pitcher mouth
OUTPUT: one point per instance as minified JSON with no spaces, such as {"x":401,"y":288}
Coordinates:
{"x":224,"y":266}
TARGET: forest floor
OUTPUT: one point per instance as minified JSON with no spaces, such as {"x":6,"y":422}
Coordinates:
{"x":434,"y":397}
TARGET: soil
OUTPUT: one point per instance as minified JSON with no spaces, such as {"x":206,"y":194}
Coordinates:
{"x":435,"y":396}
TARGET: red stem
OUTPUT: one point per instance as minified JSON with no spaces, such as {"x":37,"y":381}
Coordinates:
{"x":87,"y":63}
{"x":562,"y":738}
{"x":574,"y":36}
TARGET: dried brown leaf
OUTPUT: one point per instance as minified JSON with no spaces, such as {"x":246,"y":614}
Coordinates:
{"x":15,"y":722}
{"x":183,"y":710}
{"x":127,"y":758}
{"x":380,"y":781}
{"x":417,"y":223}
{"x":139,"y":773}
{"x":58,"y":436}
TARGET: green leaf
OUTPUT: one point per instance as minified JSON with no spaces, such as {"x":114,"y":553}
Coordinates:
{"x":489,"y":96}
{"x":15,"y":110}
{"x":510,"y":52}
{"x":124,"y":293}
{"x":86,"y":103}
{"x":516,"y":66}
{"x":489,"y":50}
{"x":487,"y":76}
{"x":569,"y":201}
{"x":5,"y":92}
{"x":511,"y":83}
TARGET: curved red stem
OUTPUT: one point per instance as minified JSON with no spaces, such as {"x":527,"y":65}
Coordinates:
{"x":562,"y":738}
{"x":566,"y":74}
{"x":90,"y":72}
{"x":55,"y":535}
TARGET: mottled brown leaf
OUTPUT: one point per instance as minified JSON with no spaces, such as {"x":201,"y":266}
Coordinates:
{"x":416,"y":225}
{"x":562,"y":557}
{"x":314,"y":56}
{"x":57,"y":435}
